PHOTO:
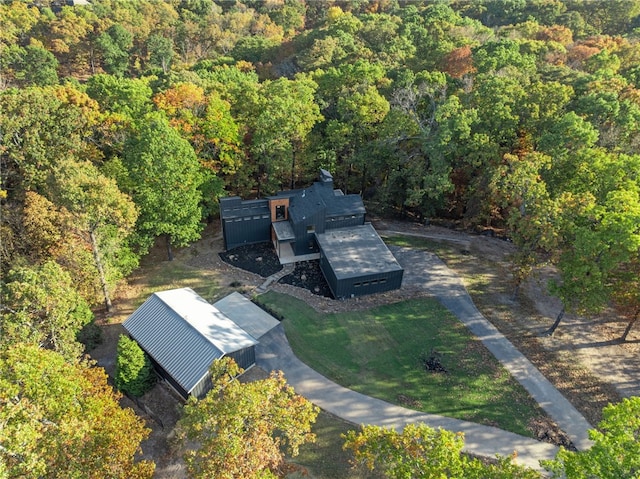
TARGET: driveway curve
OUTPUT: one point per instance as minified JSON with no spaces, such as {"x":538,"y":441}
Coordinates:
{"x":427,"y":271}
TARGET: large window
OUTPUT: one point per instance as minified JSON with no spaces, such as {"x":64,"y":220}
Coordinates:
{"x":280,"y":212}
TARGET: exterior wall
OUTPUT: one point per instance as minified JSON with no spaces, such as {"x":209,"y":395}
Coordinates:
{"x":245,"y":358}
{"x":203,"y":387}
{"x":329,"y":275}
{"x":369,"y":284}
{"x":344,"y":221}
{"x":305,"y":242}
{"x":167,"y":377}
{"x":247,"y":230}
{"x":244,"y":222}
{"x":361,"y":285}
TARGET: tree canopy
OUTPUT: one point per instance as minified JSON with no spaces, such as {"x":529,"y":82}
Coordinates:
{"x":244,"y":429}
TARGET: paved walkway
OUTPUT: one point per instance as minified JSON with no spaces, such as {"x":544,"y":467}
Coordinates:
{"x":425,"y":270}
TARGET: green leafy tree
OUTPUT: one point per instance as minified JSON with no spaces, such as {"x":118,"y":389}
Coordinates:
{"x":134,"y":371}
{"x":243,"y":430}
{"x":102,"y":214}
{"x":114,"y":45}
{"x":288,"y":114}
{"x":421,"y":451}
{"x":31,"y":65}
{"x":124,"y":96}
{"x":163,"y":176}
{"x":160,"y":52}
{"x":63,"y":420}
{"x":615,"y":452}
{"x":41,"y":126}
{"x":41,"y":306}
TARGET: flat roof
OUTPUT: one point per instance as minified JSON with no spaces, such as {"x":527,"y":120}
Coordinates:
{"x":356,"y":251}
{"x":249,"y":316}
{"x":235,"y":207}
{"x":283,"y":230}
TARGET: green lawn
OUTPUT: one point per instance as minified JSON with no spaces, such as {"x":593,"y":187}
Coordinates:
{"x":378,"y":352}
{"x":325,"y":458}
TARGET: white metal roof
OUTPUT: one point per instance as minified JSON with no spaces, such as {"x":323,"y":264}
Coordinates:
{"x":184,"y":334}
{"x":249,"y":316}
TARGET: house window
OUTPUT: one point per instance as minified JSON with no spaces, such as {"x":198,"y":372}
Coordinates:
{"x":311,"y":229}
{"x":357,"y":285}
{"x":280,"y":212}
{"x":383,"y":280}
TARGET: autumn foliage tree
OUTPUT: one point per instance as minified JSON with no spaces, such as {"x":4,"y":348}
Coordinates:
{"x":63,"y":420}
{"x":427,"y":453}
{"x":244,"y":429}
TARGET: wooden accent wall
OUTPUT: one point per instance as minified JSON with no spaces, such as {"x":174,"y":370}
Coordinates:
{"x":279,"y":202}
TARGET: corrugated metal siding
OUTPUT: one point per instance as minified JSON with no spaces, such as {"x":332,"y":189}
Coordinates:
{"x":184,"y":334}
{"x":245,"y":357}
{"x":163,"y":335}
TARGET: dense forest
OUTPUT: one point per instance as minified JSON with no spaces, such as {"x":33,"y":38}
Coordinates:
{"x":123,"y":121}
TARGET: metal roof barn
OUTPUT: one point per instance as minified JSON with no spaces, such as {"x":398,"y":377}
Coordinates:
{"x":183,"y":334}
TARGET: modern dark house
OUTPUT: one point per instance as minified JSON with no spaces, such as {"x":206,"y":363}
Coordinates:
{"x":316,"y":222}
{"x":183,"y":334}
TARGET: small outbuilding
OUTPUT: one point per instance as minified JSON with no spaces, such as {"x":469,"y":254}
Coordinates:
{"x":183,"y":334}
{"x":355,"y":261}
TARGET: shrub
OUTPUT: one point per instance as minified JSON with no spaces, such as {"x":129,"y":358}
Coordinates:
{"x":134,"y":371}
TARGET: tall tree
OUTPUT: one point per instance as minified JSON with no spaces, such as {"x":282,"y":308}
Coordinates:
{"x":163,"y":176}
{"x":134,"y":371}
{"x":242,"y":430}
{"x":63,"y":420}
{"x":41,"y":126}
{"x":40,"y":306}
{"x":114,"y":44}
{"x":288,"y":114}
{"x":102,"y":214}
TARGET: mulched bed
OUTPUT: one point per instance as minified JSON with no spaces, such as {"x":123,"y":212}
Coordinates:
{"x":260,"y":259}
{"x":308,"y":275}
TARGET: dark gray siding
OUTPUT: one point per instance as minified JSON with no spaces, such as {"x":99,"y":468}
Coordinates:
{"x":167,"y":377}
{"x":305,"y":237}
{"x":248,"y":230}
{"x":360,"y":285}
{"x":344,"y":221}
{"x":329,"y":275}
{"x":244,"y":222}
{"x":368,"y":284}
{"x":201,"y":389}
{"x":245,"y":358}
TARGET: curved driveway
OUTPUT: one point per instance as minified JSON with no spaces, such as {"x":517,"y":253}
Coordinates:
{"x":425,"y":270}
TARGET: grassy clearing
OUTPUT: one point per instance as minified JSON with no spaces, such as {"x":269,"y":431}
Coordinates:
{"x":325,"y":458}
{"x":378,"y":353}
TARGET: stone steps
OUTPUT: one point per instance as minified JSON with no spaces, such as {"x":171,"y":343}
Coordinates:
{"x":274,"y":278}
